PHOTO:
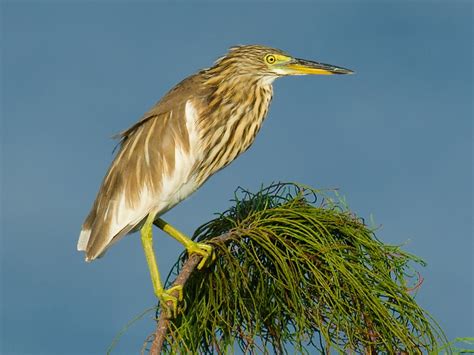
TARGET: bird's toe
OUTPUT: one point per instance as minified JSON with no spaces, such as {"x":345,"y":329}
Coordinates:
{"x":205,"y":250}
{"x":169,"y":300}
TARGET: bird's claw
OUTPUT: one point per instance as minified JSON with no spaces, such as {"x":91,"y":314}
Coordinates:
{"x":205,"y":250}
{"x":169,"y":302}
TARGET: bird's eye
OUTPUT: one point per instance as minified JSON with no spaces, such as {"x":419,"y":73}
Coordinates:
{"x":270,"y":59}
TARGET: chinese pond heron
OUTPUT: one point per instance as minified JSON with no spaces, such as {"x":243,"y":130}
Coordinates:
{"x":196,"y":129}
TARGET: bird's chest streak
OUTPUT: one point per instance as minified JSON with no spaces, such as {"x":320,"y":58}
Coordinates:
{"x":232,"y":127}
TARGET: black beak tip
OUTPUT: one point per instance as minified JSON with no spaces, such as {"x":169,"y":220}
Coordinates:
{"x":343,"y":71}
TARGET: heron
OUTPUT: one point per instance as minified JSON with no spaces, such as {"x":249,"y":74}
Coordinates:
{"x":199,"y":127}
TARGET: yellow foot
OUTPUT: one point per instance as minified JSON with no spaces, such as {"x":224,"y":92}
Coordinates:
{"x":205,"y":250}
{"x":169,"y":302}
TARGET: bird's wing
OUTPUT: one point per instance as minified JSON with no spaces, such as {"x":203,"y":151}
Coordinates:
{"x":152,"y":157}
{"x":177,"y":96}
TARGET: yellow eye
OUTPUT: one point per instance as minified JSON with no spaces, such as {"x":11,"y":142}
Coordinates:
{"x":270,"y":59}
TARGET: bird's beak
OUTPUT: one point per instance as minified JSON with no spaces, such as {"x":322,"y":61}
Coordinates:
{"x":303,"y":67}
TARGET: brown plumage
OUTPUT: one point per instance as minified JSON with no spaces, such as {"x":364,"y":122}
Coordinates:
{"x":196,"y":129}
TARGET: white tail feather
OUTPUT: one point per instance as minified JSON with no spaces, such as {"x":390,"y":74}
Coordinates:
{"x":83,"y":239}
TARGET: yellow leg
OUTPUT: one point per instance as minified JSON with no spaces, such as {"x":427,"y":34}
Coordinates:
{"x":192,"y":247}
{"x":165,"y":296}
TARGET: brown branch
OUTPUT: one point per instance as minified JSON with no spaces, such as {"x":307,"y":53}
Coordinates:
{"x":188,"y":267}
{"x":164,"y":320}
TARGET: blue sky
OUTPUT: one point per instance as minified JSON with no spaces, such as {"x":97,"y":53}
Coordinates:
{"x":396,"y":139}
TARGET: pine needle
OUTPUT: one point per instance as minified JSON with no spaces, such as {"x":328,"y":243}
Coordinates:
{"x":299,"y":272}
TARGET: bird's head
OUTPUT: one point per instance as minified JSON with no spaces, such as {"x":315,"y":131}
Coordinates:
{"x":265,"y":62}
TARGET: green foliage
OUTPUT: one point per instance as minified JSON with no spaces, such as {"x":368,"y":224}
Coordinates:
{"x":457,"y":346}
{"x":297,"y":270}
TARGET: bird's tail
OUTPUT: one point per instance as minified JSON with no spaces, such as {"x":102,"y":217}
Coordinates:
{"x":83,"y":239}
{"x":100,"y":231}
{"x":94,"y":238}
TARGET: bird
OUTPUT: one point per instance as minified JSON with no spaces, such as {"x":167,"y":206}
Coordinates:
{"x":196,"y":129}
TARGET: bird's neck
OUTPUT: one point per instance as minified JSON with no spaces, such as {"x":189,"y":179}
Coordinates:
{"x":241,"y":92}
{"x":233,"y":115}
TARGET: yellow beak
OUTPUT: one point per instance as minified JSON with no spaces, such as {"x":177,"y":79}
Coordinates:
{"x":303,"y":67}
